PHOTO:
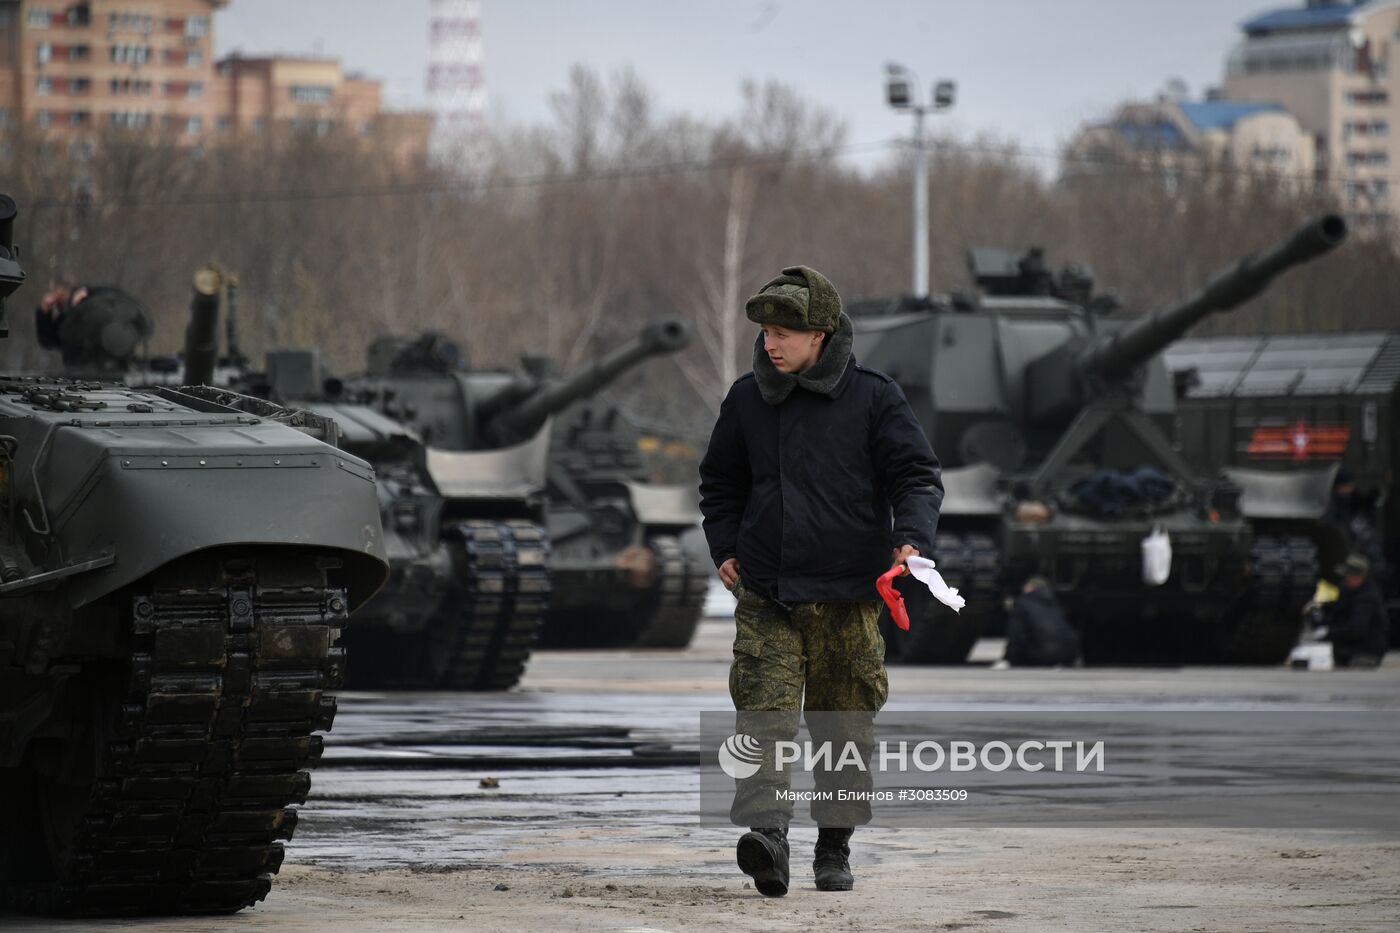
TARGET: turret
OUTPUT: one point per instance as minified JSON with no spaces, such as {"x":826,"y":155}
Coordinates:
{"x":1001,"y":378}
{"x":1117,"y":355}
{"x":519,"y":414}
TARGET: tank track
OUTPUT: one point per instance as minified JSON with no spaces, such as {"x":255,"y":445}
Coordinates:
{"x":502,"y":567}
{"x":1285,"y":572}
{"x":197,"y":770}
{"x":681,"y":586}
{"x":972,"y":564}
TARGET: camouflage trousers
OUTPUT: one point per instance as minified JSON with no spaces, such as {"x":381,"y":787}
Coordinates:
{"x":826,"y":658}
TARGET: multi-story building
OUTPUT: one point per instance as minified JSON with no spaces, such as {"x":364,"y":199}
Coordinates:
{"x":1259,"y":138}
{"x":132,"y":63}
{"x":1335,"y":64}
{"x":69,"y":67}
{"x":250,"y":94}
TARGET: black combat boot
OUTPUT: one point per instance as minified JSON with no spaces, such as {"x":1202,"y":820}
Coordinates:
{"x":831,"y":865}
{"x":763,"y":855}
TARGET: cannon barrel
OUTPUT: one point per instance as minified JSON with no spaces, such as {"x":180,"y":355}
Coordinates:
{"x":202,"y":332}
{"x":1117,"y":355}
{"x":527,"y":413}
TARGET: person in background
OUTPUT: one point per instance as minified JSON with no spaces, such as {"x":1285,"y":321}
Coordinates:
{"x":97,"y":328}
{"x":1357,"y":625}
{"x":1037,"y":633}
{"x":1354,"y":513}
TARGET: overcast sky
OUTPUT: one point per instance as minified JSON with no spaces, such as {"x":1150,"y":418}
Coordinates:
{"x":1031,"y":70}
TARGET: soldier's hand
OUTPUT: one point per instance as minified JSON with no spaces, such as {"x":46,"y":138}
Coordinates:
{"x":729,"y":573}
{"x":902,"y":554}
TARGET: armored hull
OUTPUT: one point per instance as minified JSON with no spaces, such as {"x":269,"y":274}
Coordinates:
{"x":177,"y":571}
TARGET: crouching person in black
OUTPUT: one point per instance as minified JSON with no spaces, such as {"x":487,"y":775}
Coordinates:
{"x":1037,"y":633}
{"x":1357,"y":625}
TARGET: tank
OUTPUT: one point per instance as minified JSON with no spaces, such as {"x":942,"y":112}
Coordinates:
{"x":176,"y":566}
{"x":1053,"y":423}
{"x":621,"y":575}
{"x":1284,"y":401}
{"x":487,"y":437}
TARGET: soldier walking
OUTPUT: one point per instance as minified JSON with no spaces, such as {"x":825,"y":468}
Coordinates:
{"x":816,"y":476}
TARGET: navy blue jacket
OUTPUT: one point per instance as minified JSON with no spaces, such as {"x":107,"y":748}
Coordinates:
{"x":812,"y":494}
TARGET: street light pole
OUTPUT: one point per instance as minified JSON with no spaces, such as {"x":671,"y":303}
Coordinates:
{"x":902,"y":92}
{"x":920,"y":206}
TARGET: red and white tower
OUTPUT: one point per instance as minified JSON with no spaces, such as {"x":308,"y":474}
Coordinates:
{"x":456,"y":89}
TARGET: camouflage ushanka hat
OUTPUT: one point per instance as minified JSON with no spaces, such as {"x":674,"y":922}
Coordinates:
{"x":801,"y":298}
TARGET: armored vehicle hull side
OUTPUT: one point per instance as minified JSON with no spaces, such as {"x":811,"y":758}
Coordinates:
{"x":176,"y":573}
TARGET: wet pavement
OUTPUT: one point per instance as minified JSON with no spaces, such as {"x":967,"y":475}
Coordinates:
{"x":572,"y":803}
{"x":601,"y":739}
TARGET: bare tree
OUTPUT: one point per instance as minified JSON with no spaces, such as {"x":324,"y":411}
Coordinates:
{"x":575,"y":232}
{"x":717,"y":307}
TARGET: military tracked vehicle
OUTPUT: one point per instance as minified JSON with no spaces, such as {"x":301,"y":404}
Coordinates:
{"x":176,"y":566}
{"x":487,"y":440}
{"x":1286,"y":402}
{"x":1053,"y":421}
{"x":621,"y":575}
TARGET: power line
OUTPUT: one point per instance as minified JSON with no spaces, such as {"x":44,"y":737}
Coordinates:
{"x":543,"y":180}
{"x":1010,"y":151}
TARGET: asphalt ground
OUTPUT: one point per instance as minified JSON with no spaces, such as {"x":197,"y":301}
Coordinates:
{"x":571,"y":803}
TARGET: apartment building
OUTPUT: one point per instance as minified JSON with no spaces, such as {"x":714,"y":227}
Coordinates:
{"x":1335,"y":65}
{"x":69,"y":67}
{"x":1239,"y":135}
{"x":130,"y":63}
{"x":249,"y":94}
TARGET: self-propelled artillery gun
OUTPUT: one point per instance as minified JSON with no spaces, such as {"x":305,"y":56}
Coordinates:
{"x":591,"y":552}
{"x":1053,"y":423}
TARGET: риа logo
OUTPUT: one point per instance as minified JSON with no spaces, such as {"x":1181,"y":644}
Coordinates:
{"x":740,"y":756}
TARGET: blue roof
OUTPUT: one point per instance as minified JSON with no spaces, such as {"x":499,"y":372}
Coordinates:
{"x":1222,"y":114}
{"x":1314,"y":17}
